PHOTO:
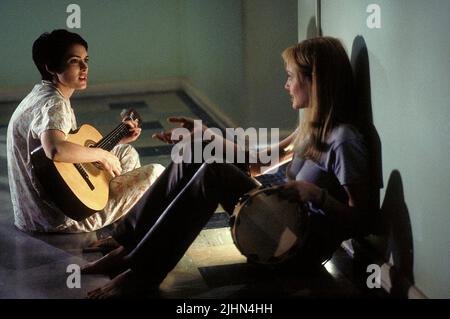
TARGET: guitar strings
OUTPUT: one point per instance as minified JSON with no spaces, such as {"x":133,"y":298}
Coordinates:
{"x":105,"y":141}
{"x":110,"y":137}
{"x":117,"y":132}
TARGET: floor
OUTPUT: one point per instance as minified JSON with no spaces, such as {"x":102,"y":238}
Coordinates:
{"x":37,"y":266}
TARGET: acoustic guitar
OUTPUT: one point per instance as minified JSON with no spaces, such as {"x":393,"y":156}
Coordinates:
{"x":82,"y":189}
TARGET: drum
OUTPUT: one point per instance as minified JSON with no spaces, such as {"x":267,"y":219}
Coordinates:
{"x":266,"y":228}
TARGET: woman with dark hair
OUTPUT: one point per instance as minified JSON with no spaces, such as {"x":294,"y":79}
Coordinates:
{"x":329,"y":171}
{"x":45,"y":117}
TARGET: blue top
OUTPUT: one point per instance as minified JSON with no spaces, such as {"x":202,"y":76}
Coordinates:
{"x":345,"y":162}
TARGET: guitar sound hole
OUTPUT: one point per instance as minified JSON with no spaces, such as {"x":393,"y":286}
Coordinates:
{"x":89,"y":143}
{"x":97,"y":165}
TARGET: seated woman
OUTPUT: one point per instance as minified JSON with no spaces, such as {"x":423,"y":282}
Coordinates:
{"x":45,"y":117}
{"x":329,"y":170}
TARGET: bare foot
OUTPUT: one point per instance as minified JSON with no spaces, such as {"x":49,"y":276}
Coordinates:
{"x":111,"y":262}
{"x":127,"y":284}
{"x":107,"y":244}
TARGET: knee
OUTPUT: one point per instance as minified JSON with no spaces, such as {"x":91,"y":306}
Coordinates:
{"x":214,"y":170}
{"x":204,"y":174}
{"x":223,"y":171}
{"x":223,"y":175}
{"x":157,"y":169}
{"x":129,"y":150}
{"x":128,"y":156}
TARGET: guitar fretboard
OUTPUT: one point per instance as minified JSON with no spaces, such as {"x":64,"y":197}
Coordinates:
{"x":109,"y":141}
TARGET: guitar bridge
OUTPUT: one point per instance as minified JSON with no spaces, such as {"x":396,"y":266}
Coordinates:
{"x":85,"y":176}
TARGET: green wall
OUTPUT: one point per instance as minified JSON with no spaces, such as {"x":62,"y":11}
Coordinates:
{"x":212,"y":55}
{"x":128,"y":40}
{"x":270,"y":27}
{"x":409,"y":84}
{"x":234,"y":63}
{"x":216,"y":45}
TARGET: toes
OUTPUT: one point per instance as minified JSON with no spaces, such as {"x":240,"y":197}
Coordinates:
{"x":89,"y":269}
{"x":85,"y":268}
{"x":93,"y":294}
{"x":106,"y":292}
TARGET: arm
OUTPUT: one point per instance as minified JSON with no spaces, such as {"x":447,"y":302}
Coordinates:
{"x":357,"y":197}
{"x":350,"y":168}
{"x":188,"y":123}
{"x":58,"y":149}
{"x":352,"y":216}
{"x":285,"y":153}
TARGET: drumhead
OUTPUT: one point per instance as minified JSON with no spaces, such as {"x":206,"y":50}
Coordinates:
{"x":268,"y":229}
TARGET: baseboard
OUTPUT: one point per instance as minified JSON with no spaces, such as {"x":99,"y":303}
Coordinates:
{"x":137,"y":87}
{"x":214,"y":110}
{"x":16,"y":94}
{"x":102,"y":89}
{"x":157,"y":86}
{"x":120,"y":88}
{"x":386,"y":269}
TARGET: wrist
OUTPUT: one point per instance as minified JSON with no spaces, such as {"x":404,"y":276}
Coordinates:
{"x":101,"y":155}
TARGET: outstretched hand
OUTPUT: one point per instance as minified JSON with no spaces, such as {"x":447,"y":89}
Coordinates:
{"x":183,"y":122}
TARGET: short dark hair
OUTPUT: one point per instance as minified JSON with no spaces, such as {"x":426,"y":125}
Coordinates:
{"x":51,"y":48}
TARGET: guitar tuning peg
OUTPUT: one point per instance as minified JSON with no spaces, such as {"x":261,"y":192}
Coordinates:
{"x":131,"y":114}
{"x":123,"y":113}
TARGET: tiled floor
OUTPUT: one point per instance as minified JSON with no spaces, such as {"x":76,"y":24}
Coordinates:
{"x":35,"y":266}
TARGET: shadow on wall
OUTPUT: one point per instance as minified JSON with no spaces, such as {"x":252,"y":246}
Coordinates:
{"x":392,"y":226}
{"x":396,"y":239}
{"x":311,"y":31}
{"x":364,"y":119}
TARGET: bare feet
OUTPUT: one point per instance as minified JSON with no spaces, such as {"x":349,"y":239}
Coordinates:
{"x":105,"y":244}
{"x":127,"y":284}
{"x":109,"y":263}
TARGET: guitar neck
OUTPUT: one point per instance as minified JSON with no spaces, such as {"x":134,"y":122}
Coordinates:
{"x":109,"y":141}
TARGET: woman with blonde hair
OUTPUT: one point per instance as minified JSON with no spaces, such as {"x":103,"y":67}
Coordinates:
{"x":328,"y":172}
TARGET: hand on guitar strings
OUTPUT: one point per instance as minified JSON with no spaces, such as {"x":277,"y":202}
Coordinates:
{"x":110,"y":163}
{"x":134,"y":132}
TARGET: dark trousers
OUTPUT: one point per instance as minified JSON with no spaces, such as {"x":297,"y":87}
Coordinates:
{"x":155,"y":244}
{"x":156,"y":237}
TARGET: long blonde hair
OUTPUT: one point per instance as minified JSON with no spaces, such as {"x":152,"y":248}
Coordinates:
{"x":325,"y":63}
